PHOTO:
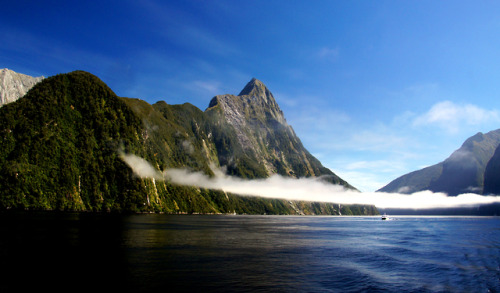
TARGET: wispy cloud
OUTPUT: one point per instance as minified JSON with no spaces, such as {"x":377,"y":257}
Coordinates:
{"x":377,"y":138}
{"x":330,"y":54}
{"x":210,"y":88}
{"x":380,"y":165}
{"x":141,"y":167}
{"x":58,"y":56}
{"x":178,"y":81}
{"x":313,"y":117}
{"x":369,"y":174}
{"x":451,"y":116}
{"x":321,"y":130}
{"x":306,"y":189}
{"x":182,"y":28}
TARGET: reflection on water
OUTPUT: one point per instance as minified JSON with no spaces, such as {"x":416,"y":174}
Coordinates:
{"x":250,"y":253}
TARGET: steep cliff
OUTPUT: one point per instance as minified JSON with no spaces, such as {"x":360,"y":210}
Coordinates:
{"x":264,"y":135}
{"x":14,"y":85}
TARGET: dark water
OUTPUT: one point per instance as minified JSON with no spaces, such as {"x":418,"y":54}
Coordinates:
{"x":162,"y":253}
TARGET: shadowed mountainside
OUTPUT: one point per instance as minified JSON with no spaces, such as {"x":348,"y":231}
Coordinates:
{"x":462,"y":172}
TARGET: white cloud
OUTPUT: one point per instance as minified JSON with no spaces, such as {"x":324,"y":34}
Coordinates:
{"x":306,"y":189}
{"x":368,"y":156}
{"x":451,"y":116}
{"x":141,"y":167}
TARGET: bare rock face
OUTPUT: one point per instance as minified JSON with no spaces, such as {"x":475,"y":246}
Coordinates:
{"x":254,"y":111}
{"x":264,"y":134}
{"x":256,"y":118}
{"x":14,"y":85}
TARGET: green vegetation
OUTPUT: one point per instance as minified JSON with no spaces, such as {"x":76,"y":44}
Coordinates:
{"x":58,"y":148}
{"x":60,"y":145}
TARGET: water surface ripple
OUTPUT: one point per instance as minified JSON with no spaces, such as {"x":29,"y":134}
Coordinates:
{"x":250,"y":253}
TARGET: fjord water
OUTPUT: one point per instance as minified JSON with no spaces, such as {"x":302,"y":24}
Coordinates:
{"x":194,"y":253}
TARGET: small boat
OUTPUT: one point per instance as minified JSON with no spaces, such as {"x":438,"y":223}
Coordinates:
{"x":385,"y":217}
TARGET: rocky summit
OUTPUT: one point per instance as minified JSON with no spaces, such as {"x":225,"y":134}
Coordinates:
{"x":14,"y":85}
{"x":263,"y":133}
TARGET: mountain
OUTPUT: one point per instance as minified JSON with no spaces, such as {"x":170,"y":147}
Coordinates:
{"x":14,"y":85}
{"x":58,"y":148}
{"x":61,"y":146}
{"x":462,"y":172}
{"x":265,"y":137}
{"x":492,"y":174}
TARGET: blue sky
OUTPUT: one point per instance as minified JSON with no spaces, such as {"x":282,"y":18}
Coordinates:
{"x":374,"y":89}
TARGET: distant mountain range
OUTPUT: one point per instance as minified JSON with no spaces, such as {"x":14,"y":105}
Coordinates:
{"x":61,"y":142}
{"x":473,"y":168}
{"x":462,"y":172}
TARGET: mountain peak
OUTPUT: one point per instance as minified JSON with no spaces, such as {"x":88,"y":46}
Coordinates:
{"x":255,"y":102}
{"x":255,"y":87}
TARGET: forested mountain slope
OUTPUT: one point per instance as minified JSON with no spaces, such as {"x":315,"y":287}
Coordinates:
{"x":60,"y":150}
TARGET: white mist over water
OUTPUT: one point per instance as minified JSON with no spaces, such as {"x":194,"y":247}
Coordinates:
{"x":304,"y":189}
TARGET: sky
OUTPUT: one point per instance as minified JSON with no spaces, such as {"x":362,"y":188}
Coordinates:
{"x":374,"y":89}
